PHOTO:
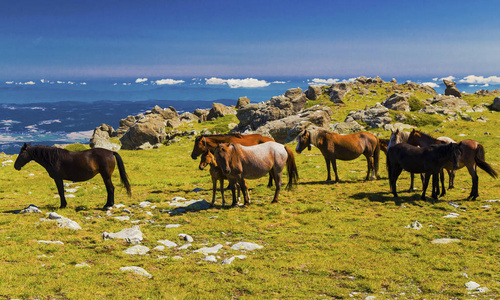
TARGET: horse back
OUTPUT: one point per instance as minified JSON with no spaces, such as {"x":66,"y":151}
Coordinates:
{"x":257,"y":160}
{"x":83,"y":165}
{"x":347,"y":147}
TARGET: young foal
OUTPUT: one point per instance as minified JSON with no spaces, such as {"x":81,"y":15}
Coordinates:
{"x":62,"y":165}
{"x":207,"y":158}
{"x":428,"y":160}
{"x":238,"y":163}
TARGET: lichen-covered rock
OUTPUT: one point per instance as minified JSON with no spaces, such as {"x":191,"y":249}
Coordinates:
{"x":242,"y":101}
{"x":151,"y":129}
{"x":219,"y":110}
{"x":451,"y":89}
{"x":496,"y":104}
{"x":398,"y":102}
{"x":376,"y":116}
{"x":313,"y":92}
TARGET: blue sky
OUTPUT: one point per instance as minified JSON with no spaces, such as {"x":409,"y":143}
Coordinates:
{"x":109,"y":38}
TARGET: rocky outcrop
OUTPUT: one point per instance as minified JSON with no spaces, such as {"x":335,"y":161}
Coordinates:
{"x":444,"y":105}
{"x":375,"y":117}
{"x":101,"y":138}
{"x":346,"y":127}
{"x":150,"y":129}
{"x":398,"y":102}
{"x":220,"y":110}
{"x":286,"y":129}
{"x":496,"y":104}
{"x":338,"y":91}
{"x":451,"y":89}
{"x":201,"y":114}
{"x":252,"y":116}
{"x":242,"y":101}
{"x":313,"y":92}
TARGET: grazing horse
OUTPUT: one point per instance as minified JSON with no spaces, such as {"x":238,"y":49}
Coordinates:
{"x":62,"y":165}
{"x":334,"y":146}
{"x":472,"y":156}
{"x":203,"y":143}
{"x":398,"y":137}
{"x":239,"y":162}
{"x":207,"y":158}
{"x":428,"y":160}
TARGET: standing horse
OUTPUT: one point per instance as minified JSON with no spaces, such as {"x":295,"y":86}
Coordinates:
{"x":334,"y":146}
{"x":204,"y":143}
{"x":428,"y":160}
{"x":398,"y":137}
{"x":239,"y":162}
{"x":62,"y":165}
{"x":472,"y":156}
{"x":207,"y":158}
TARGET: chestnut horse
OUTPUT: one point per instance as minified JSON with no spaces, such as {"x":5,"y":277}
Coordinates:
{"x":203,"y":143}
{"x":62,"y":165}
{"x":473,"y":156}
{"x":334,"y":146}
{"x":239,"y":162}
{"x":207,"y":158}
{"x":428,"y":160}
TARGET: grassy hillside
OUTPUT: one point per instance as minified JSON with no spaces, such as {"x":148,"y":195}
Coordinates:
{"x":322,"y":241}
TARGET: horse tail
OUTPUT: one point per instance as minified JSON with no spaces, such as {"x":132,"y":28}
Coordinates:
{"x":481,"y":161}
{"x":293,"y":174}
{"x":123,"y":174}
{"x":376,"y":157}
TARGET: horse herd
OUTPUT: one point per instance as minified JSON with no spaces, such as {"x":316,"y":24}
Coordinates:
{"x":237,"y":157}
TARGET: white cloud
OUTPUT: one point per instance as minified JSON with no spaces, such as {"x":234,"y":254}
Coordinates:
{"x":29,"y":83}
{"x":9,"y":82}
{"x":431,"y":84}
{"x":325,"y":81}
{"x":450,"y":78}
{"x":80,"y":135}
{"x":141,"y":80}
{"x":238,"y":83}
{"x":435,"y":79}
{"x":472,"y":79}
{"x":279,"y":82}
{"x":168,"y":81}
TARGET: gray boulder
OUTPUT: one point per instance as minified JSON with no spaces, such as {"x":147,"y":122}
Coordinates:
{"x":313,"y":92}
{"x":150,"y":129}
{"x":338,"y":92}
{"x":242,"y":101}
{"x":451,"y":89}
{"x":100,"y":138}
{"x":496,"y":104}
{"x":219,"y":110}
{"x":346,"y":127}
{"x":188,"y":117}
{"x":201,"y":114}
{"x":444,"y":105}
{"x":376,"y":116}
{"x":125,"y":124}
{"x":398,"y":102}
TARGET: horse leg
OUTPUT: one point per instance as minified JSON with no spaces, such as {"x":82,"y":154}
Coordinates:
{"x":221,"y":192}
{"x":60,"y":190}
{"x":329,"y":177}
{"x":270,"y":183}
{"x":110,"y":189}
{"x":412,"y":181}
{"x":232,"y":186}
{"x":474,"y":193}
{"x":277,"y":180}
{"x":214,"y":190}
{"x":451,"y":182}
{"x":334,"y":166}
{"x":435,"y":186}
{"x":371,"y":168}
{"x":244,"y":190}
{"x":443,"y":189}
{"x":393,"y":178}
{"x":427,"y":177}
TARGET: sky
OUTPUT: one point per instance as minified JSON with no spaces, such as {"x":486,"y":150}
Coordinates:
{"x":231,"y":38}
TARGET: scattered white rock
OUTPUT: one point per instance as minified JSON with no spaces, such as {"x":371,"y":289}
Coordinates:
{"x":123,"y":218}
{"x":494,"y":200}
{"x":173,"y":225}
{"x":132,"y":235}
{"x":415,"y":225}
{"x":159,"y":248}
{"x":119,"y":205}
{"x":137,"y":249}
{"x":177,"y":257}
{"x":30,"y":209}
{"x":246,"y":246}
{"x":144,"y":204}
{"x":210,"y":258}
{"x":209,"y":250}
{"x":452,"y":215}
{"x":82,"y":265}
{"x":482,"y":289}
{"x":50,"y":242}
{"x":62,"y":221}
{"x":228,"y":261}
{"x":457,"y":206}
{"x":178,"y":199}
{"x":445,"y":241}
{"x":126,"y":211}
{"x":370,"y":298}
{"x":471,"y":285}
{"x":7,"y":163}
{"x":136,"y":270}
{"x":486,"y":206}
{"x":70,"y":190}
{"x":185,"y":246}
{"x":186,"y":237}
{"x":167,"y":243}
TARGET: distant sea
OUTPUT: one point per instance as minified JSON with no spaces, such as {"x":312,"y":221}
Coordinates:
{"x":45,"y":111}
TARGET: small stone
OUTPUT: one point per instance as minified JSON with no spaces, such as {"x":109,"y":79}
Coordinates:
{"x":185,"y":246}
{"x":50,"y":242}
{"x":209,"y":250}
{"x":119,"y":205}
{"x":471,"y":285}
{"x":228,"y":261}
{"x":186,"y":237}
{"x":159,"y":248}
{"x":167,"y":243}
{"x":452,"y":215}
{"x":31,"y":209}
{"x":136,"y":270}
{"x":132,"y":235}
{"x":82,"y":265}
{"x":126,"y":211}
{"x":173,"y":225}
{"x":210,"y":258}
{"x":123,"y":218}
{"x":445,"y":241}
{"x":246,"y":246}
{"x":144,"y":204}
{"x":415,"y":225}
{"x":137,"y":249}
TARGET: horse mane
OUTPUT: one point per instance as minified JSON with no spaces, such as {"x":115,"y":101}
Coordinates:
{"x":426,"y":135}
{"x":317,"y":132}
{"x":47,"y":155}
{"x":238,"y":135}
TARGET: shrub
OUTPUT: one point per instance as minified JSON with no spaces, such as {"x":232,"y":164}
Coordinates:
{"x":415,"y":103}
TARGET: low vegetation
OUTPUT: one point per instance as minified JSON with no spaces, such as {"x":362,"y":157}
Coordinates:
{"x":321,"y":241}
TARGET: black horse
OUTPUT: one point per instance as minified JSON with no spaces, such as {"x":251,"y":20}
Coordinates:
{"x":428,"y":160}
{"x":62,"y":165}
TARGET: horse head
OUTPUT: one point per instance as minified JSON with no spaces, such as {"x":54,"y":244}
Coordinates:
{"x":456,"y":153}
{"x":23,"y":158}
{"x":199,"y":146}
{"x":223,"y":157}
{"x":414,"y":138}
{"x":304,"y":140}
{"x":396,"y":138}
{"x":207,"y":158}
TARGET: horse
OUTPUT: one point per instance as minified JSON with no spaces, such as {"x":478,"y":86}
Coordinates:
{"x":428,"y":160}
{"x":334,"y":146}
{"x":62,"y":164}
{"x":397,"y":137}
{"x":203,"y":143}
{"x":207,"y":158}
{"x":239,"y":162}
{"x":473,"y":156}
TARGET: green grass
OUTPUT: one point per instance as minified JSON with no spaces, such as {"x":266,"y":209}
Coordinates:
{"x":321,"y":241}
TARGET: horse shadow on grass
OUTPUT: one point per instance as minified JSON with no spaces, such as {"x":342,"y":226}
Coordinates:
{"x":384,"y":197}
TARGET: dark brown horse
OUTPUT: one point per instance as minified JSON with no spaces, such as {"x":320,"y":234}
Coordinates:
{"x":334,"y":146}
{"x":428,"y":160}
{"x":207,"y":158}
{"x":239,"y":162}
{"x":473,"y":156}
{"x":62,"y":165}
{"x":204,"y":143}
